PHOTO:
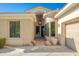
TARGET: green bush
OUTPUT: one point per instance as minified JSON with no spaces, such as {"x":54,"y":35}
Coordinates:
{"x":2,"y":42}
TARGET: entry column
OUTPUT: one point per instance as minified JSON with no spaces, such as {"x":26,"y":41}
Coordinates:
{"x":40,"y":30}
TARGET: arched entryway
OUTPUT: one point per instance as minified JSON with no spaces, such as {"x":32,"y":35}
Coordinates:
{"x":39,"y":25}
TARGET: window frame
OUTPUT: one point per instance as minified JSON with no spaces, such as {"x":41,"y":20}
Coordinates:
{"x":10,"y":31}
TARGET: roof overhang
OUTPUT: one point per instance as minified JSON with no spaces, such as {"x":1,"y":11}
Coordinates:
{"x":50,"y":14}
{"x":65,"y":9}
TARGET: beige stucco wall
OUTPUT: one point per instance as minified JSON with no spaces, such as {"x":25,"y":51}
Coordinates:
{"x":69,"y":15}
{"x":26,"y":28}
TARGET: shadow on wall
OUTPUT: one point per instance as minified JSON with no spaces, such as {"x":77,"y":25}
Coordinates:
{"x":59,"y":38}
{"x":70,"y":43}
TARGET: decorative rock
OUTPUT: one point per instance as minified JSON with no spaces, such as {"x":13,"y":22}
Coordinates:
{"x":33,"y":42}
{"x":54,"y":41}
{"x":47,"y":43}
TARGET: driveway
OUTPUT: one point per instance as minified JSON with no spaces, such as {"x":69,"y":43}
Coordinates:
{"x":37,"y":51}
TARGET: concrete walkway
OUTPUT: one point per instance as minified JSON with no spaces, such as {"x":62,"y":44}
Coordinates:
{"x":37,"y":51}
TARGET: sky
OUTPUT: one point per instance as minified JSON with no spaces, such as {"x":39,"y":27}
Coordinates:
{"x":21,"y":7}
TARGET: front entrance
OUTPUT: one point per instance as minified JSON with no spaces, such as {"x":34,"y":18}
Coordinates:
{"x":39,"y":31}
{"x":39,"y":25}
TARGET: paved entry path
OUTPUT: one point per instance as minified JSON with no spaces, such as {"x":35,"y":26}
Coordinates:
{"x":37,"y":51}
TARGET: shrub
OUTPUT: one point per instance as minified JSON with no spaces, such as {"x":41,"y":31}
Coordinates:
{"x":2,"y":42}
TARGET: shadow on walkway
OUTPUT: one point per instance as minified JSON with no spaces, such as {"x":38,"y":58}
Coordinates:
{"x":41,"y":49}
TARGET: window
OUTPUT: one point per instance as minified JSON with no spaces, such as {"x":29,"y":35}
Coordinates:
{"x":47,"y":29}
{"x":14,"y":28}
{"x":52,"y":28}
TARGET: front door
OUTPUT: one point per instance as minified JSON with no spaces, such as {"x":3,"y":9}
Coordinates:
{"x":39,"y":31}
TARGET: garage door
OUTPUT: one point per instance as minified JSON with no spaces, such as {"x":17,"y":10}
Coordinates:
{"x":72,"y":35}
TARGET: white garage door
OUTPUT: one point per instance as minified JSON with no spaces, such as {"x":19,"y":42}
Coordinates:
{"x":72,"y":35}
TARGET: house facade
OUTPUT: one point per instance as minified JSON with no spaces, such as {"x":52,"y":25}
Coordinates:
{"x":22,"y":28}
{"x":68,"y":26}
